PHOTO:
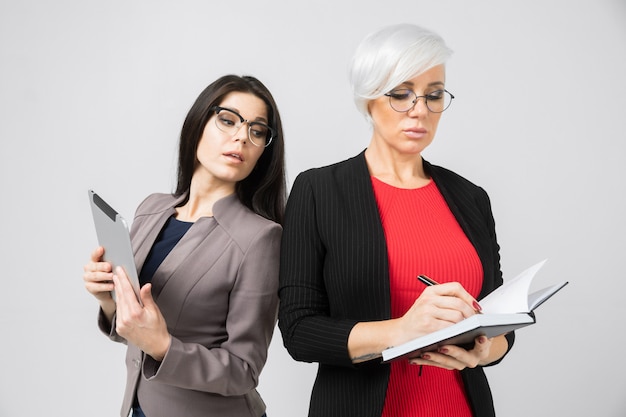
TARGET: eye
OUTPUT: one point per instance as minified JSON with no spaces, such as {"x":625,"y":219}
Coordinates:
{"x":227,"y":119}
{"x":435,"y":95}
{"x":258,"y":130}
{"x":401,"y":94}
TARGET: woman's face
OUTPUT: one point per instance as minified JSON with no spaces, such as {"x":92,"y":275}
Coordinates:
{"x":229,"y":158}
{"x":410,"y":132}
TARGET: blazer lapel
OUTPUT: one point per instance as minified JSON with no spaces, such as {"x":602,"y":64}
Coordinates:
{"x":184,"y":249}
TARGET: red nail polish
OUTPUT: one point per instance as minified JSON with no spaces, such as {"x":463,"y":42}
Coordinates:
{"x":477,"y":306}
{"x":443,"y":350}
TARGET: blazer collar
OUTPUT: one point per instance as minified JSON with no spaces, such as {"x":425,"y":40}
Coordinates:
{"x":225,"y":210}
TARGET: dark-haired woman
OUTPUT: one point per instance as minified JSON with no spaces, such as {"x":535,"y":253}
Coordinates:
{"x":208,"y":262}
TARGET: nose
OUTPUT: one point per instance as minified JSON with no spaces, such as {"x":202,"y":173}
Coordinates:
{"x":242,"y":133}
{"x":419,"y":108}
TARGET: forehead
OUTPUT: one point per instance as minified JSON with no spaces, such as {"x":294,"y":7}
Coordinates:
{"x":248,"y":105}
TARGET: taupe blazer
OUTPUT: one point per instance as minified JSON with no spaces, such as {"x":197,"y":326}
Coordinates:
{"x":217,"y":290}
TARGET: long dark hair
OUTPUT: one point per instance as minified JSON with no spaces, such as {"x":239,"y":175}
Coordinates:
{"x":264,"y":190}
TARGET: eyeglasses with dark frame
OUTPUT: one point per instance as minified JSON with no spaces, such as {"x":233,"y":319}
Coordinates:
{"x":404,"y":99}
{"x":229,"y":121}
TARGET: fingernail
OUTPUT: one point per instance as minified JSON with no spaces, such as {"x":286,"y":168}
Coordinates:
{"x":482,"y":339}
{"x":426,"y":356}
{"x":477,"y":306}
{"x":443,"y":350}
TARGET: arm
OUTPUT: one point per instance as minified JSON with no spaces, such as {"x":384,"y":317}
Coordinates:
{"x":98,"y":278}
{"x":314,"y":296}
{"x":485,"y":352}
{"x":309,"y":332}
{"x":438,"y":307}
{"x":231,"y":367}
{"x":142,"y":325}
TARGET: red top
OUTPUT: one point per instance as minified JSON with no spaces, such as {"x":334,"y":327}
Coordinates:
{"x":423,"y":237}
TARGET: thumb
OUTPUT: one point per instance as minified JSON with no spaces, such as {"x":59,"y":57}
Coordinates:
{"x":145,"y":293}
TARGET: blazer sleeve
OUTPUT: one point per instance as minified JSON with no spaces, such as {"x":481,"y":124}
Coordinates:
{"x":310,"y":331}
{"x":232,"y":368}
{"x":109,"y":328}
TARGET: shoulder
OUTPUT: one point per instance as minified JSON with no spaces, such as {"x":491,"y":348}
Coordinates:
{"x":156,"y":203}
{"x":447,"y":175}
{"x":450,"y":179}
{"x":152,"y":212}
{"x":341,"y":166}
{"x":458,"y":189}
{"x":242,"y":224}
{"x":351,"y":169}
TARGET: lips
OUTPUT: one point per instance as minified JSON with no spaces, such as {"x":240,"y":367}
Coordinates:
{"x":234,"y":155}
{"x":415,"y":132}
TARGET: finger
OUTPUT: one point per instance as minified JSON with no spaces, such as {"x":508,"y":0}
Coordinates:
{"x":432,"y":359}
{"x":119,"y":291}
{"x":92,"y":275}
{"x":122,"y":289}
{"x":145,"y":293}
{"x":96,"y":286}
{"x":450,"y":309}
{"x":127,"y":288}
{"x":99,"y":290}
{"x":95,"y":267}
{"x":122,"y":280}
{"x":452,"y":357}
{"x":97,"y":254}
{"x":482,"y":346}
{"x":98,"y":272}
{"x":454,"y":297}
{"x":454,"y":289}
{"x":458,"y":357}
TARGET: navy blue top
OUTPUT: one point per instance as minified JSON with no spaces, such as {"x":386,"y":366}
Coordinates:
{"x":171,"y":233}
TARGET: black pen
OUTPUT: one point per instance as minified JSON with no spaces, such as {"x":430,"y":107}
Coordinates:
{"x":427,"y":281}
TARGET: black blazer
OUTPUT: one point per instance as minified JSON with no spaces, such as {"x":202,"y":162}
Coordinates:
{"x":334,"y":274}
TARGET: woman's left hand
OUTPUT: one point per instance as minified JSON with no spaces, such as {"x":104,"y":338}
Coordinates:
{"x":143,"y":326}
{"x":454,"y":357}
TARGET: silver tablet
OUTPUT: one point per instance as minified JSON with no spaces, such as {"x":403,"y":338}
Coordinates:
{"x":114,"y":237}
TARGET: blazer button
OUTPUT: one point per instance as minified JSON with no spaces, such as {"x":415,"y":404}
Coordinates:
{"x":137,"y":363}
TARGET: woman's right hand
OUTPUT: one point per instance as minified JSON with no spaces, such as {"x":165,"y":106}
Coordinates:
{"x":438,"y":306}
{"x":98,"y":277}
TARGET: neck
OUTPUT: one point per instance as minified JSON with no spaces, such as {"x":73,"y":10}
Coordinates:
{"x":397,"y":169}
{"x":202,"y":198}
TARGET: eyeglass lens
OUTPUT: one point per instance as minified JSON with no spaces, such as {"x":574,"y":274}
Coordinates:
{"x":229,"y":121}
{"x":403,"y":99}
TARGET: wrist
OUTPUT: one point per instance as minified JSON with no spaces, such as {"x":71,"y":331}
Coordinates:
{"x":395,"y":335}
{"x":108,"y":307}
{"x":159,"y":354}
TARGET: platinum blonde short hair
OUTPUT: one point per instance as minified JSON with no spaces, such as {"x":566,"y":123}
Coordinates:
{"x":388,"y":57}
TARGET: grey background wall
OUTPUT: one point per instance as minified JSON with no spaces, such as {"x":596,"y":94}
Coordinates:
{"x":93,"y":94}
